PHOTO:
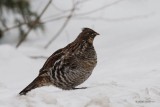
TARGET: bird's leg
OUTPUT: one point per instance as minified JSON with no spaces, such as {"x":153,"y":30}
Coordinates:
{"x":79,"y":88}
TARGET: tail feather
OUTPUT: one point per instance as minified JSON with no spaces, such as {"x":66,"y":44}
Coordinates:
{"x":37,"y":82}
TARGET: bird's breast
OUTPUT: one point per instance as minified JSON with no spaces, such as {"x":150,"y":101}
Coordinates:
{"x":89,"y":64}
{"x":88,"y":60}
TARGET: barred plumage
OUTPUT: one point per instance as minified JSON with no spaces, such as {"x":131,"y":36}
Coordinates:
{"x":70,"y":66}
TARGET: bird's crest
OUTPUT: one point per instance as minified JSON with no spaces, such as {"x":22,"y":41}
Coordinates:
{"x":85,"y":29}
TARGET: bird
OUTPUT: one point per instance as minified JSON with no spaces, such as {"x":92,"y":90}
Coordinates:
{"x":70,"y":66}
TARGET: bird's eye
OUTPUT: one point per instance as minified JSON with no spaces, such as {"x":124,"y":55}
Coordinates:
{"x":92,"y":33}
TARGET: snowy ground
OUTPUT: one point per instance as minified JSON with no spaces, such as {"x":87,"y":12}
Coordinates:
{"x":127,"y":73}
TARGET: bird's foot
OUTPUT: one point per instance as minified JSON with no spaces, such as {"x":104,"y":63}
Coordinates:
{"x":79,"y":88}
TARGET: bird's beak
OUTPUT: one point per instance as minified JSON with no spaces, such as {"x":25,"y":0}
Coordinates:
{"x":96,"y":33}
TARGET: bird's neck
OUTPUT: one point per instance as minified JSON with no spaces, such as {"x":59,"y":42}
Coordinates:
{"x":79,"y":46}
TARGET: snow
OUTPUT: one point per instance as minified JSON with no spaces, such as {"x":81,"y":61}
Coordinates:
{"x":128,"y":69}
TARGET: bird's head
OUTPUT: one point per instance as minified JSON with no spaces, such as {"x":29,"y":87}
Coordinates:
{"x":88,"y":35}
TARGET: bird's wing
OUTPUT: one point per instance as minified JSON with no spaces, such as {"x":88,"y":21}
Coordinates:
{"x":50,"y":61}
{"x":60,"y":62}
{"x":64,"y":67}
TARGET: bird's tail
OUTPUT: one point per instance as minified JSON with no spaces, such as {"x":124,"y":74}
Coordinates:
{"x":37,"y":82}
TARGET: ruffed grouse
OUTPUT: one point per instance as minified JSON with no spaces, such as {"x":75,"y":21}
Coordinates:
{"x":70,"y":66}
